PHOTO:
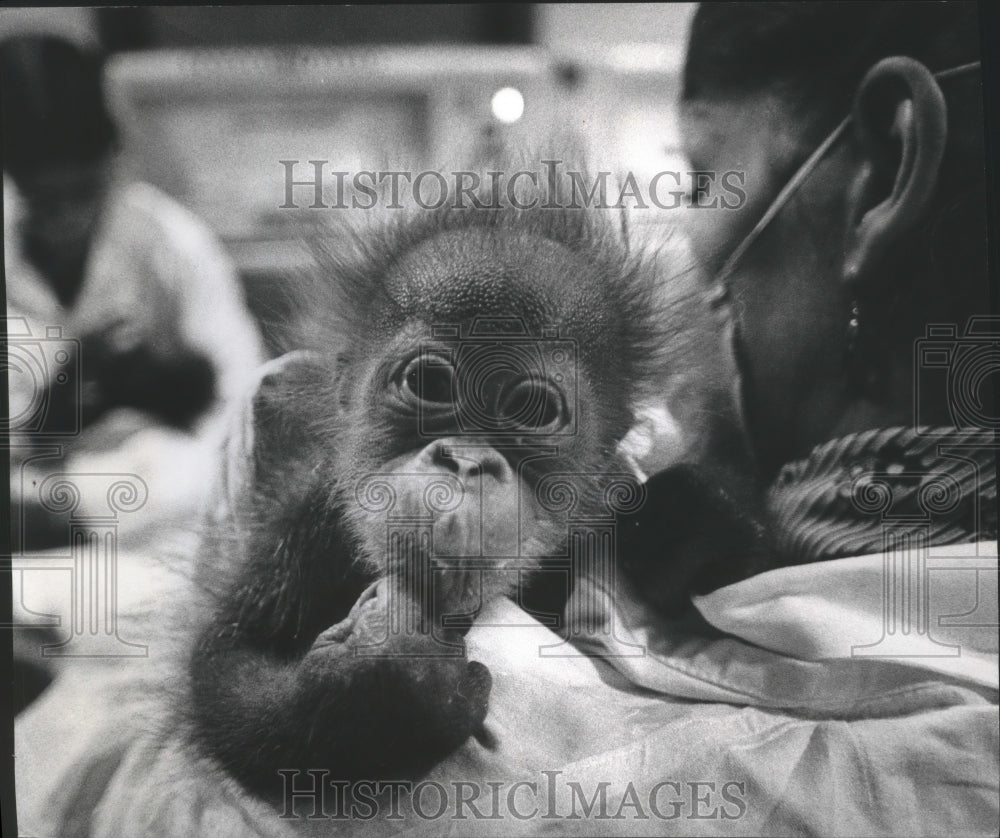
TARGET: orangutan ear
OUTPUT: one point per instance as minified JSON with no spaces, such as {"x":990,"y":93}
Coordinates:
{"x":265,"y":435}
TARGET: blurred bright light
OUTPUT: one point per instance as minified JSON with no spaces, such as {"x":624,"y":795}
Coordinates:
{"x":507,"y":104}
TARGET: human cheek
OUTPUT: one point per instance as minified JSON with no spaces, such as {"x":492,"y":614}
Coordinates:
{"x":717,"y":221}
{"x":706,"y":234}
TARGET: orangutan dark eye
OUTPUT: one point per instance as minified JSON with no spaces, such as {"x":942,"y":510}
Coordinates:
{"x":531,"y":404}
{"x":429,"y":379}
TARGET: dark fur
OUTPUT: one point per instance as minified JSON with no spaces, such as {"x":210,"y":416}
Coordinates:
{"x":270,"y":686}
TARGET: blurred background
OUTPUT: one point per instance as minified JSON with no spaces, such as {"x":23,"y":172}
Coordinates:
{"x":149,"y":265}
{"x":209,"y":100}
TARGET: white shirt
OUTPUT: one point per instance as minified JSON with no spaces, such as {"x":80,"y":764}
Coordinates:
{"x":156,"y":276}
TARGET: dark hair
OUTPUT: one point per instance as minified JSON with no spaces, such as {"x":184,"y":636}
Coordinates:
{"x":815,"y":54}
{"x":53,"y":105}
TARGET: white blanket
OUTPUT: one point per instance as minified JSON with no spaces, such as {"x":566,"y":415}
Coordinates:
{"x":787,"y":721}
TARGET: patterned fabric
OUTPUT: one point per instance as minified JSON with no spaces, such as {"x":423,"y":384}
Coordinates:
{"x":865,"y":492}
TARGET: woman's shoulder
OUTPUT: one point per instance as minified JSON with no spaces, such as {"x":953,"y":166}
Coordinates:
{"x":147,"y":210}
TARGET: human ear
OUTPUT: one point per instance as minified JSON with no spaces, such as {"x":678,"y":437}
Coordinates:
{"x":901,"y":126}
